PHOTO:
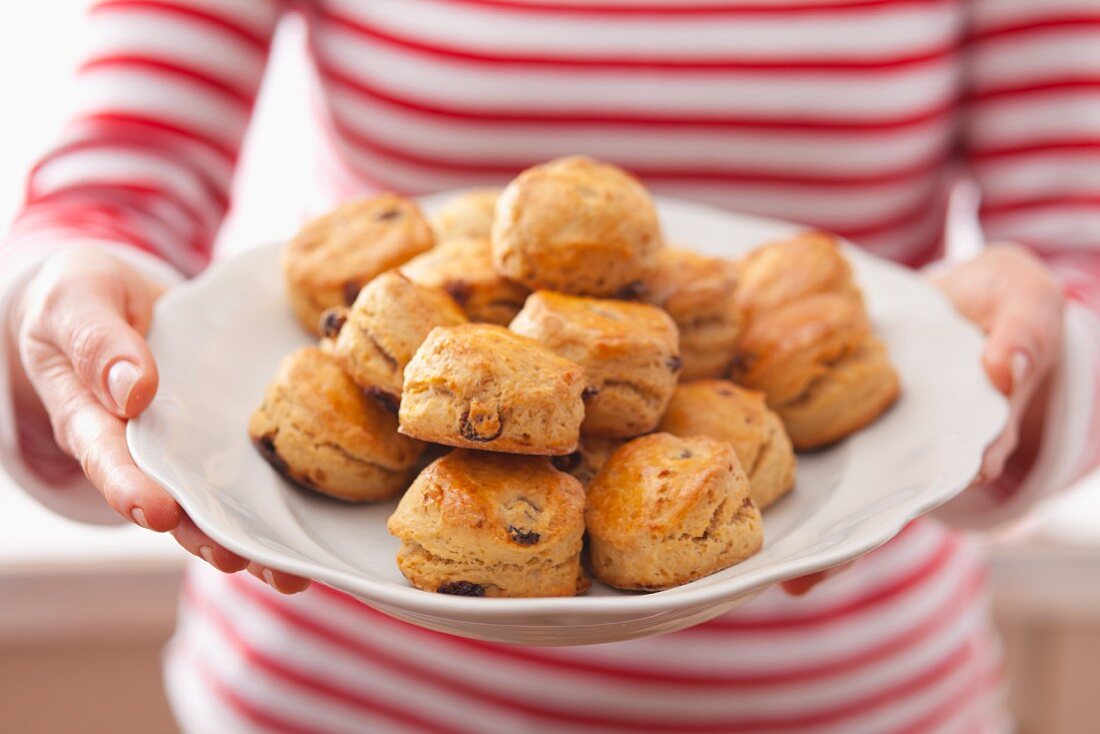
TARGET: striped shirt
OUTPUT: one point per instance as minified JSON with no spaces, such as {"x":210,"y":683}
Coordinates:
{"x":850,"y":115}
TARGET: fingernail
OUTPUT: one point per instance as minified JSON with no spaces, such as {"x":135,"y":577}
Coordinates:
{"x":139,"y":517}
{"x":1020,"y":364}
{"x":207,"y":554}
{"x":269,"y":578}
{"x":121,"y":379}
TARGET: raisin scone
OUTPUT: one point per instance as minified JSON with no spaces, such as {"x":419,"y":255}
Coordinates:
{"x":700,"y":294}
{"x":578,"y":226}
{"x":334,"y":255}
{"x":469,"y":214}
{"x":778,"y":273}
{"x":591,"y":454}
{"x":481,"y":524}
{"x":377,"y":337}
{"x":740,"y":417}
{"x":317,"y":428}
{"x":666,"y":510}
{"x":463,"y":267}
{"x":482,"y":386}
{"x":629,"y":351}
{"x":820,"y":367}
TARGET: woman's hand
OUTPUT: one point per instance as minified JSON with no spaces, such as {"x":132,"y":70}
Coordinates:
{"x":1011,"y":296}
{"x":80,"y":327}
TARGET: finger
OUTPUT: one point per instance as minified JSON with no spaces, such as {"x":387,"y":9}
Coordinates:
{"x":198,"y":543}
{"x":803,"y":584}
{"x":108,"y":355}
{"x":284,"y":583}
{"x":96,"y":438}
{"x":997,"y":454}
{"x":1022,"y":338}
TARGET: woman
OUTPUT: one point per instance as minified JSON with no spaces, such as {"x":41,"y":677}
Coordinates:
{"x":849,"y":115}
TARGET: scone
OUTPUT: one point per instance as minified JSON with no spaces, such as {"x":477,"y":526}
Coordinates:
{"x":628,"y":351}
{"x":820,"y":367}
{"x":700,"y":294}
{"x":725,"y":412}
{"x":591,"y":454}
{"x":379,"y":334}
{"x":481,"y":524}
{"x":481,"y":386}
{"x":463,"y":267}
{"x":467,"y":215}
{"x":781,"y":272}
{"x":578,"y":226}
{"x":317,"y":428}
{"x":666,"y":510}
{"x":334,"y":255}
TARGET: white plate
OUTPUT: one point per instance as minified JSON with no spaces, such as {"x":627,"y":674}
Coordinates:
{"x":218,"y":339}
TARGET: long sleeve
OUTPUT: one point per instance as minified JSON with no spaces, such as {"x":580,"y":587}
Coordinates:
{"x":1032,"y":142}
{"x":143,"y":168}
{"x":163,"y":100}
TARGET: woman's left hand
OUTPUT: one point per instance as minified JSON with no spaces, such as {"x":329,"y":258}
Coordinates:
{"x":1013,"y":298}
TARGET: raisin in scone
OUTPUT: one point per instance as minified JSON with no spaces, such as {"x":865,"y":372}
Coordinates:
{"x":578,"y":226}
{"x":820,"y":367}
{"x":591,"y":454}
{"x":317,"y":428}
{"x":469,"y":214}
{"x":484,"y":387}
{"x":740,"y":417}
{"x":666,"y":510}
{"x":481,"y":524}
{"x":699,"y":293}
{"x":378,"y":336}
{"x":463,"y":267}
{"x":334,"y":255}
{"x":778,"y":273}
{"x":629,"y":351}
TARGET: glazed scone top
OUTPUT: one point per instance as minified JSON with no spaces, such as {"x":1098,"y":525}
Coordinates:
{"x":780,"y":272}
{"x":514,"y":499}
{"x":363,"y":236}
{"x":600,"y":326}
{"x":721,"y":410}
{"x":652,"y":483}
{"x":463,"y":267}
{"x":687,"y":284}
{"x":319,"y":396}
{"x":469,"y":214}
{"x":578,"y":226}
{"x":785,"y":350}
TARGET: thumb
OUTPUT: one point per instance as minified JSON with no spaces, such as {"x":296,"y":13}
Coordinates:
{"x":90,"y":325}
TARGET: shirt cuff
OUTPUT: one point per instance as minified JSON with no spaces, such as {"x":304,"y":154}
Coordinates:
{"x":75,"y":497}
{"x":1066,"y":450}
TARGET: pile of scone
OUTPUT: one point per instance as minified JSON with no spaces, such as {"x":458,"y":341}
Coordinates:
{"x":592,"y":382}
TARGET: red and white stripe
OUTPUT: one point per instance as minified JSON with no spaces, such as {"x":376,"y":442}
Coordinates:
{"x":845,"y":114}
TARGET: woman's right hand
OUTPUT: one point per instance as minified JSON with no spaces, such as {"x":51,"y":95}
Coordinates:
{"x":80,"y":326}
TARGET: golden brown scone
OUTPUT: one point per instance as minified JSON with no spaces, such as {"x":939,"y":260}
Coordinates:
{"x":725,"y":412}
{"x":666,"y":510}
{"x":816,"y":361}
{"x":591,"y":454}
{"x":578,"y":226}
{"x":699,"y":293}
{"x":469,"y":214}
{"x":481,"y":524}
{"x":780,"y":272}
{"x":463,"y":267}
{"x":380,"y":333}
{"x":628,"y":351}
{"x":317,"y":428}
{"x":483,"y":387}
{"x":334,"y":255}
